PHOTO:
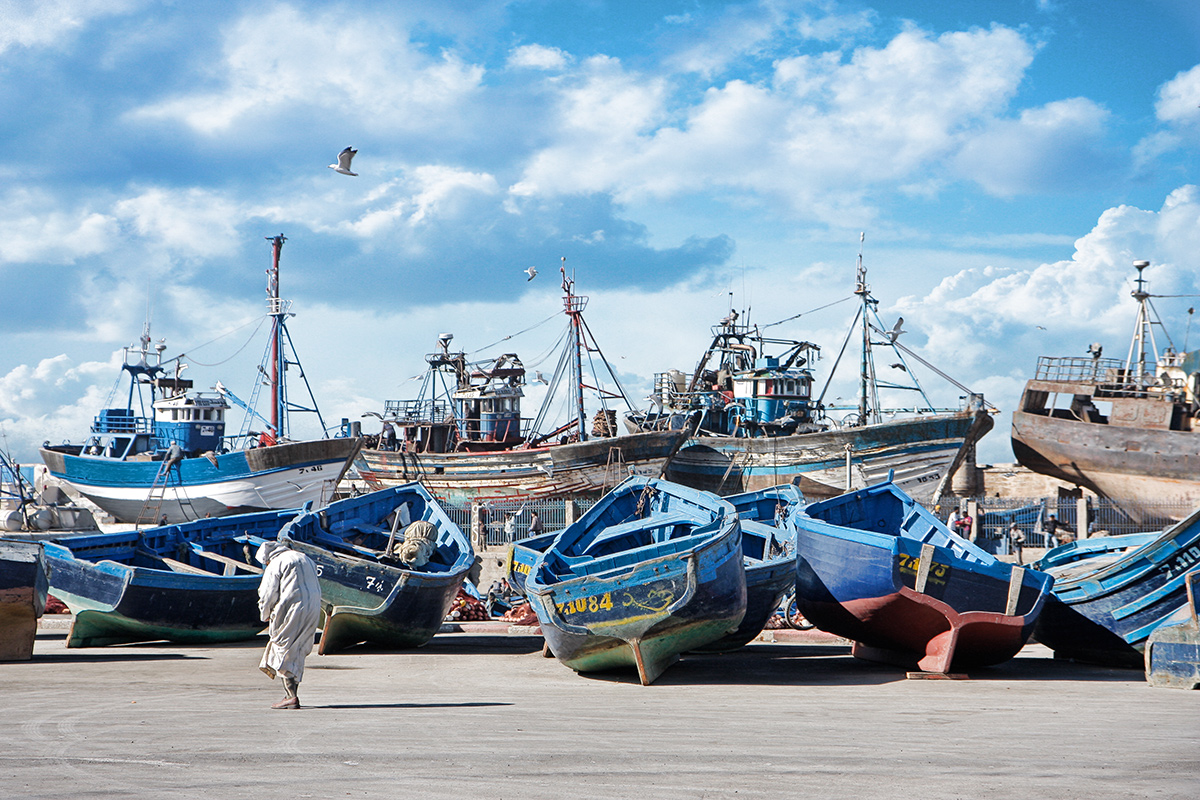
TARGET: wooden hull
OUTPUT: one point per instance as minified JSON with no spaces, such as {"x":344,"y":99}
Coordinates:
{"x":889,"y":576}
{"x":23,"y":587}
{"x":1105,"y":614}
{"x":267,"y":478}
{"x":117,"y":598}
{"x":1141,"y":469}
{"x":521,"y":556}
{"x":769,"y":557}
{"x":579,"y":469}
{"x":1173,"y":649}
{"x":921,"y":452}
{"x":650,"y":596}
{"x":367,"y":598}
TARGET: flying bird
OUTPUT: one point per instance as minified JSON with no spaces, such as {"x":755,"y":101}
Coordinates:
{"x":343,"y":162}
{"x":531,"y":272}
{"x":1041,"y":327}
{"x":896,"y":330}
{"x":538,"y":377}
{"x":899,"y":366}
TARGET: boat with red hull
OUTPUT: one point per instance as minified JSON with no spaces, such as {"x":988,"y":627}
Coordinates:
{"x":877,"y":568}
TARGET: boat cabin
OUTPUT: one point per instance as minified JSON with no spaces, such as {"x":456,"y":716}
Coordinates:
{"x":1103,"y":391}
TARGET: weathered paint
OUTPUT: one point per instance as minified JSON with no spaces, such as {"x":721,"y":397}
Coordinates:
{"x":23,"y":589}
{"x":1106,"y":613}
{"x":881,"y":570}
{"x":623,"y":588}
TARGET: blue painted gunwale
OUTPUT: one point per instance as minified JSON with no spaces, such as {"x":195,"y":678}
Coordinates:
{"x":521,"y":556}
{"x":617,"y":588}
{"x":769,"y":555}
{"x":859,"y":558}
{"x":368,"y":598}
{"x":1105,"y":614}
{"x":120,"y":590}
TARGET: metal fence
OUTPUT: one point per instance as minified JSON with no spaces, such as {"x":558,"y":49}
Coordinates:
{"x":494,"y":518}
{"x":1104,"y":518}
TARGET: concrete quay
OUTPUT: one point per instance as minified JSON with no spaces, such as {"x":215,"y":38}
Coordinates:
{"x":478,"y":712}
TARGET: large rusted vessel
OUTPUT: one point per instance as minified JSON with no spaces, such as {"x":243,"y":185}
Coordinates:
{"x":1125,"y":429}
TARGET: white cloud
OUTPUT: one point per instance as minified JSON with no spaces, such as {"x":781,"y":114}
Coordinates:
{"x":35,"y":226}
{"x":186,"y":222}
{"x":345,"y":64}
{"x":537,"y":56}
{"x":44,"y":23}
{"x":824,"y":131}
{"x":1047,"y":148}
{"x":432,"y":192}
{"x":1179,"y":98}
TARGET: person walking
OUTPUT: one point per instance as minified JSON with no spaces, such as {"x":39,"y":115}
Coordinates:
{"x":289,"y":598}
{"x":535,"y":523}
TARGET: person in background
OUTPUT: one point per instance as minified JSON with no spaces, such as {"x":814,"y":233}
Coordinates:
{"x":289,"y":599}
{"x":1016,"y":541}
{"x":963,"y":526}
{"x":535,"y":523}
{"x":1056,"y":532}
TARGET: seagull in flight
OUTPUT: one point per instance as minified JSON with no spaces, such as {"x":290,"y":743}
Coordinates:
{"x":343,"y":162}
{"x":532,"y":273}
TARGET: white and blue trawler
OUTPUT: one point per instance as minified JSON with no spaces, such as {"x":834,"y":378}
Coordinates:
{"x":163,"y":456}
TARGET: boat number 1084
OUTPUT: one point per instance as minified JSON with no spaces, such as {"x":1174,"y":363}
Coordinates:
{"x":581,"y":604}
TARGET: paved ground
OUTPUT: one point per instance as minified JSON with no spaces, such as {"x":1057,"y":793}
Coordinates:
{"x":480,"y":714}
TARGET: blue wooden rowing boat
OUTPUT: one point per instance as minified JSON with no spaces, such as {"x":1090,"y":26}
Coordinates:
{"x":1173,"y":648}
{"x":1087,"y":555}
{"x":193,"y":583}
{"x":23,"y":588}
{"x":370,"y":593}
{"x":1103,"y":609}
{"x":652,"y":570}
{"x":876,"y":567}
{"x":769,"y":529}
{"x":521,"y":556}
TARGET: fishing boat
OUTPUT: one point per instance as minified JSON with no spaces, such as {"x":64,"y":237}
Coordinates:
{"x":162,"y":455}
{"x":759,"y":423}
{"x":876,"y":567}
{"x":464,"y":438}
{"x":769,"y":529}
{"x":190,"y":583}
{"x":1127,"y":429}
{"x":23,"y":587}
{"x":652,"y":570}
{"x":521,"y":556}
{"x":1103,"y":609}
{"x":1173,"y":648}
{"x":390,"y":564}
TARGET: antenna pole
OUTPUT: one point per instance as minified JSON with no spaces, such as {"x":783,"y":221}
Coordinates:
{"x":275,"y":309}
{"x":573,"y":305}
{"x":1137,"y":347}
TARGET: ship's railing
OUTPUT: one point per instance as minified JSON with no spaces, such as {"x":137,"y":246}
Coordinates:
{"x":1109,"y":374}
{"x":418,"y":411}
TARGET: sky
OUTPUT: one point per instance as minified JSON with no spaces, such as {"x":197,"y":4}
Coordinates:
{"x":1003,"y":162}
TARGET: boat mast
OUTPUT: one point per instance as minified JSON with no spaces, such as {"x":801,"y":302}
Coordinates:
{"x":868,"y":401}
{"x":1142,"y":331}
{"x":275,"y":308}
{"x":573,"y":305}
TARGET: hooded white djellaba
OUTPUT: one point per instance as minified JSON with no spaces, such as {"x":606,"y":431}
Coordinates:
{"x":289,"y":597}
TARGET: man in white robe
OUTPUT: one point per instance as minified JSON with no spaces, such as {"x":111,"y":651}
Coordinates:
{"x":289,"y":598}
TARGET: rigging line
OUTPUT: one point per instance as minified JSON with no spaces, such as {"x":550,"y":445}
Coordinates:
{"x":512,"y":335}
{"x":942,"y":374}
{"x":838,"y":360}
{"x":253,"y":333}
{"x":810,"y":311}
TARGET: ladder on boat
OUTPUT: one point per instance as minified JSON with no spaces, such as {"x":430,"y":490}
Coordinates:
{"x":152,"y":506}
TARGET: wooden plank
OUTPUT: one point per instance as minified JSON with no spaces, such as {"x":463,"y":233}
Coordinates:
{"x":923,"y":569}
{"x":179,"y":566}
{"x":227,"y":561}
{"x":1015,"y":579}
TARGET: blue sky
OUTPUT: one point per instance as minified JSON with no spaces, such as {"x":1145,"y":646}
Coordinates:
{"x":1006,"y":160}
